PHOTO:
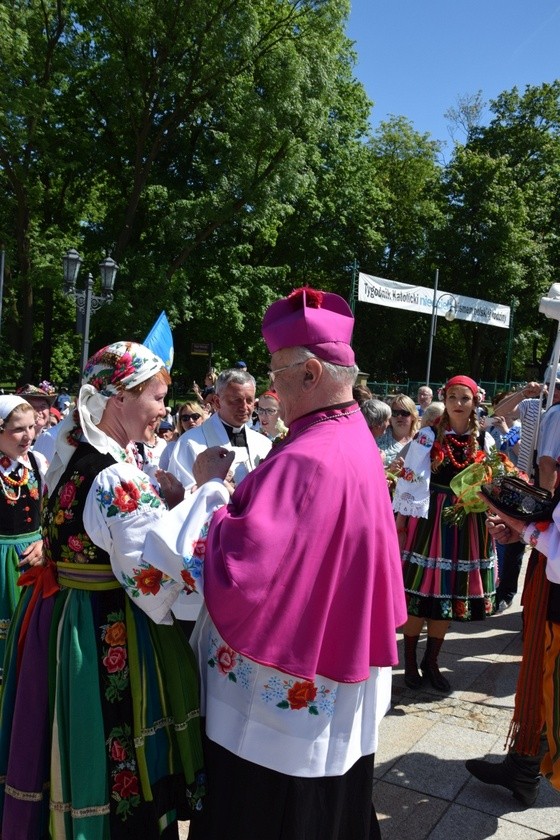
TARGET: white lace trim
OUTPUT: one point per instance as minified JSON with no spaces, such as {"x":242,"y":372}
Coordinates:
{"x":411,"y":507}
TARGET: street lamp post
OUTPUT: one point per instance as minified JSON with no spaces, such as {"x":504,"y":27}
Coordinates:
{"x":449,"y":316}
{"x":86,"y":301}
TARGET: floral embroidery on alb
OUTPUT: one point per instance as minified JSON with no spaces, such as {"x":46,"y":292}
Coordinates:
{"x":228,"y":663}
{"x":293,"y":694}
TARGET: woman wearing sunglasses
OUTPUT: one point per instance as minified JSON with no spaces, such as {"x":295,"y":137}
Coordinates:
{"x":190,"y":415}
{"x":402,"y":427}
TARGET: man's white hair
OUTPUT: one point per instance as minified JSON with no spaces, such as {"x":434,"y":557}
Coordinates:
{"x":341,"y":374}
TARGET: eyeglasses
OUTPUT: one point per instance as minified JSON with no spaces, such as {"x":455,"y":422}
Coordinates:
{"x":272,"y":373}
{"x":268,"y":412}
{"x":193,"y":417}
{"x":400,"y":412}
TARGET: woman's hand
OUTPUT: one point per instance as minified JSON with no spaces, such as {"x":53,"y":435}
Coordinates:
{"x":171,"y":488}
{"x":33,"y":555}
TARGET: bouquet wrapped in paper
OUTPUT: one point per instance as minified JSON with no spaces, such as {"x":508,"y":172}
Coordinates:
{"x":466,"y":485}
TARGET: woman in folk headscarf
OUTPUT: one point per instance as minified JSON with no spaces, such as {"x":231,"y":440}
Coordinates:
{"x":21,"y":483}
{"x":99,"y":716}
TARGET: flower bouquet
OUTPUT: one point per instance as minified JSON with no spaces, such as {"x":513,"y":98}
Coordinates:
{"x":466,"y":485}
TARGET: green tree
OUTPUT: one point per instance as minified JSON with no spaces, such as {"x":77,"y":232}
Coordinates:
{"x":500,"y":242}
{"x":167,"y":130}
{"x":411,"y":209}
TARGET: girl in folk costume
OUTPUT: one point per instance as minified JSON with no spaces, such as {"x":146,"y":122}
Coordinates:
{"x":21,"y":483}
{"x":448,"y":569}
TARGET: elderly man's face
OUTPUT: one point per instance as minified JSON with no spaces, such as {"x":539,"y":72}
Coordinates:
{"x":235,"y":403}
{"x":424,"y":397}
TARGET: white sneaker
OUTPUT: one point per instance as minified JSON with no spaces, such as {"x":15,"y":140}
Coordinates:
{"x":503,"y":605}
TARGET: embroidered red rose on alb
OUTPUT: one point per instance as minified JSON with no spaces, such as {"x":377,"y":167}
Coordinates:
{"x":301,"y":693}
{"x":226,"y":658}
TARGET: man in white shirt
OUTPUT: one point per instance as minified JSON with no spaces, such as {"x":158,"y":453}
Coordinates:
{"x":235,"y":391}
{"x":227,"y":427}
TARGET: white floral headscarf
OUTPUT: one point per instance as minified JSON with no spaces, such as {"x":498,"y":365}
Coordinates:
{"x":117,"y":367}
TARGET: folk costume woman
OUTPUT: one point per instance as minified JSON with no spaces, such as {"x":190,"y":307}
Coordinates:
{"x":449,"y":571}
{"x":21,"y":483}
{"x":99,"y":715}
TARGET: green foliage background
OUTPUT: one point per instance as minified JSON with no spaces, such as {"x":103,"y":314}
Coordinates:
{"x":221,"y":151}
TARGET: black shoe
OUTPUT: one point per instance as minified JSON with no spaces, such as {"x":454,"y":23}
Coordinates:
{"x":412,"y":679}
{"x":525,"y":791}
{"x":436,"y":678}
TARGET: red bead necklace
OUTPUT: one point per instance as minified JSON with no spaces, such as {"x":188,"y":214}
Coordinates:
{"x":468,"y":457}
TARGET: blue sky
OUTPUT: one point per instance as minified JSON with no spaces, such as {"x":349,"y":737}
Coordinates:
{"x":415,"y":57}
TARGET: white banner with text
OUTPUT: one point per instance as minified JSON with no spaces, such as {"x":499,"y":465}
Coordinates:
{"x":421,"y":299}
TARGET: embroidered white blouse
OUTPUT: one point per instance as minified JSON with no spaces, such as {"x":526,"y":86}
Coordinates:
{"x":121,"y":508}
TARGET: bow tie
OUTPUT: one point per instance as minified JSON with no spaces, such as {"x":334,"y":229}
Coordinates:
{"x":236,"y":438}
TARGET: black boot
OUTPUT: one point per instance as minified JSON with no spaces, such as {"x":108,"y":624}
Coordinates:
{"x":411,"y":676}
{"x":518,"y":773}
{"x":429,"y":665}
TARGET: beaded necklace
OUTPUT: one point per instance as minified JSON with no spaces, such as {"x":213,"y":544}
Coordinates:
{"x":460,"y":446}
{"x":7,"y":482}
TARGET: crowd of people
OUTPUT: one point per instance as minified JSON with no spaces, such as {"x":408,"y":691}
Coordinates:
{"x":200,"y":609}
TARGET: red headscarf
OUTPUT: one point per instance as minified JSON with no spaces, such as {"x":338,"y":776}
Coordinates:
{"x":462,"y":380}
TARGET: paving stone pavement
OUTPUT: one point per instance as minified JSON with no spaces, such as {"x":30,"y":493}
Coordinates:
{"x":422,"y":790}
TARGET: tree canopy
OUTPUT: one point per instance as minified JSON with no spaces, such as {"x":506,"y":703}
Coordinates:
{"x":220,"y":151}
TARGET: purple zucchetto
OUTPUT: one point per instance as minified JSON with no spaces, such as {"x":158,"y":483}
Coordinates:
{"x":320,"y":321}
